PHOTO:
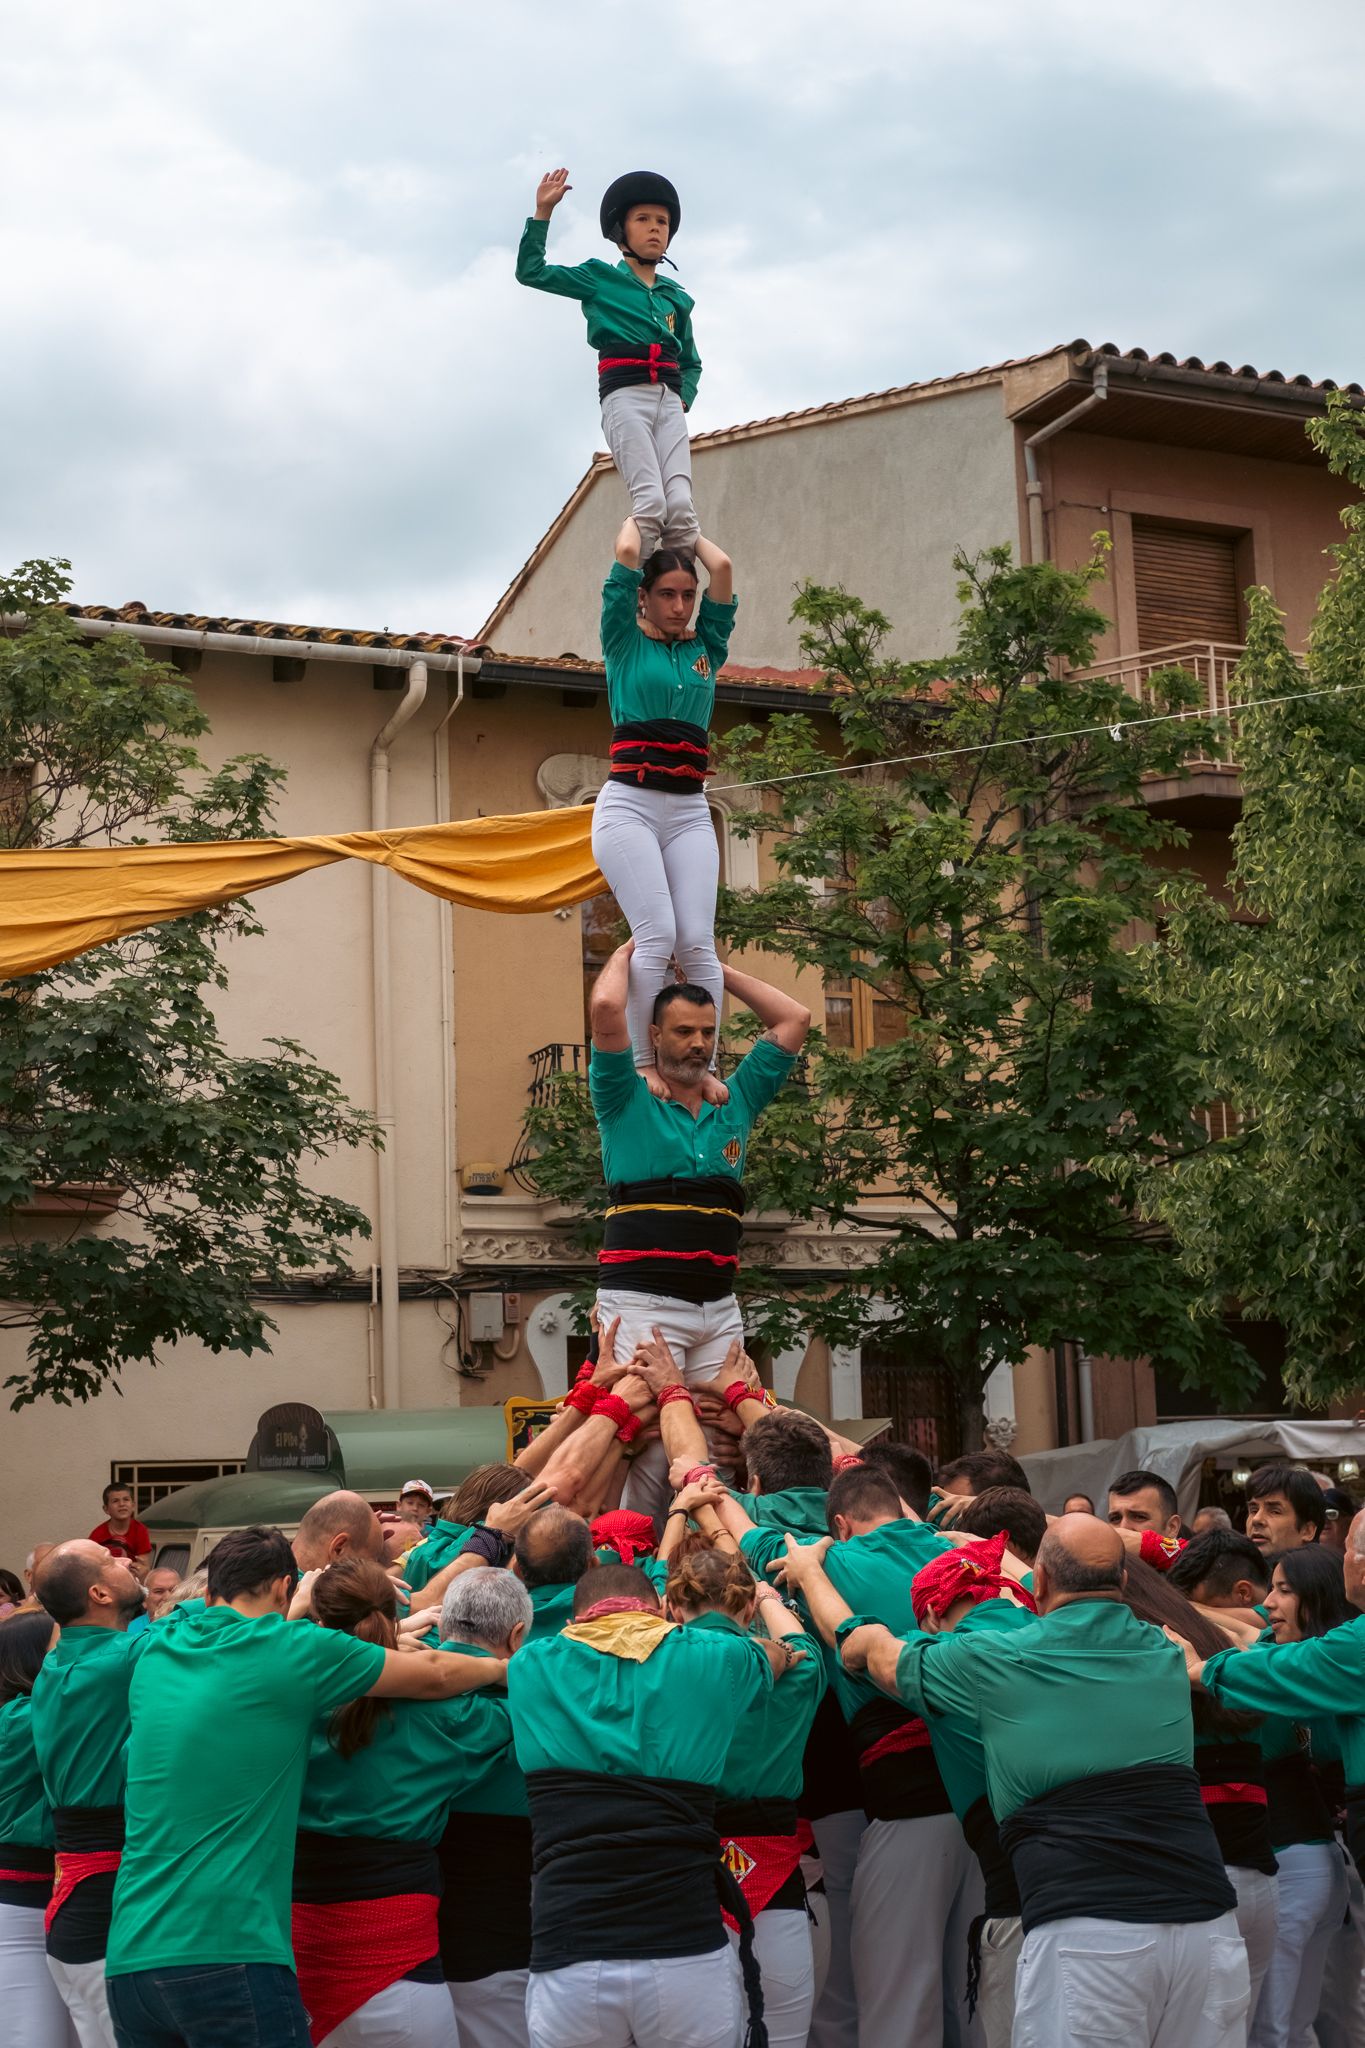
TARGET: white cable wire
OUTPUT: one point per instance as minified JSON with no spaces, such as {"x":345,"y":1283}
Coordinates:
{"x":1115,"y":729}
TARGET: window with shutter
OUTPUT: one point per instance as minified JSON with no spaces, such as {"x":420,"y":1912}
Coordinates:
{"x":1187,"y":585}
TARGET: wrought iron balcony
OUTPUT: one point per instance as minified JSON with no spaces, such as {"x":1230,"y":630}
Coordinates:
{"x":549,"y":1065}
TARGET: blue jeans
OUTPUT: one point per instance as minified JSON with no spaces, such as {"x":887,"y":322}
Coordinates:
{"x":216,"y":2005}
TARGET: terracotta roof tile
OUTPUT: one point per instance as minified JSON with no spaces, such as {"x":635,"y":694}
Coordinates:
{"x":136,"y":614}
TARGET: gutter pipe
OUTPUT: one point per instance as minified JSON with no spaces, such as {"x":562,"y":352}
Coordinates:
{"x":1033,"y":484}
{"x":445,"y":912}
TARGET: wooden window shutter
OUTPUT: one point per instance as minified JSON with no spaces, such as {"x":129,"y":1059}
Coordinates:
{"x":1186,"y":585}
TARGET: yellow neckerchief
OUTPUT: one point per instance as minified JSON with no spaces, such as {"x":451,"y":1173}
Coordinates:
{"x":635,"y":1636}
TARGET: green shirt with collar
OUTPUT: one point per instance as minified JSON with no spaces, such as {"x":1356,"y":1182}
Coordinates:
{"x":224,"y":1706}
{"x":578,"y":1708}
{"x":617,"y":305}
{"x":1324,"y":1675}
{"x":649,"y":677}
{"x":81,"y":1713}
{"x":644,"y":1138}
{"x":440,"y":1547}
{"x":1081,"y":1691}
{"x":795,"y":1510}
{"x":424,"y":1757}
{"x":872,"y":1573}
{"x":958,"y":1748}
{"x":25,"y":1816}
{"x":764,"y":1760}
{"x":502,"y":1788}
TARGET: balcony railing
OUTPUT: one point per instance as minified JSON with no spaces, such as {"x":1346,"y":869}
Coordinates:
{"x":1212,"y":663}
{"x":549,"y":1064}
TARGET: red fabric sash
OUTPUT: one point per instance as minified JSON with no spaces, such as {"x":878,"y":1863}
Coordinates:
{"x":911,"y":1735}
{"x":72,"y":1868}
{"x":26,"y":1876}
{"x":1233,"y":1795}
{"x":618,"y":1258}
{"x":347,"y":1953}
{"x":760,"y":1866}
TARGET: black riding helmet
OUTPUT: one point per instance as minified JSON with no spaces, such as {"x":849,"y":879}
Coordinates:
{"x":637,"y":188}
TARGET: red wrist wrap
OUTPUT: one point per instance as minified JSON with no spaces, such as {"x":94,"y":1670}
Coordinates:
{"x":847,"y":1461}
{"x":585,"y":1372}
{"x":582,"y":1395}
{"x":628,"y":1423}
{"x":737,"y":1391}
{"x":698,"y":1473}
{"x":675,"y":1393}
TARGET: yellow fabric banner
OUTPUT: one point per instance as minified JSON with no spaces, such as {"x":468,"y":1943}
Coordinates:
{"x":57,"y":902}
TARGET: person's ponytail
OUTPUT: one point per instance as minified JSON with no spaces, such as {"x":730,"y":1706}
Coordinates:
{"x":712,"y":1579}
{"x":358,"y":1598}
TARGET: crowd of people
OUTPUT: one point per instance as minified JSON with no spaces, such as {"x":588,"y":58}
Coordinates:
{"x":831,"y":1749}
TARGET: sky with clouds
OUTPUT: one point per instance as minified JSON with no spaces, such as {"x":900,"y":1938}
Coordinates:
{"x":261,"y":346}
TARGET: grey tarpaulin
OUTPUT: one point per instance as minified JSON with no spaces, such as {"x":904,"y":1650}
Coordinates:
{"x":1176,"y":1450}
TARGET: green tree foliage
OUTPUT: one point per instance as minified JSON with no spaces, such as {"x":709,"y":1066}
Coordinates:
{"x":986,"y":891}
{"x":1274,"y":987}
{"x":113,"y":1071}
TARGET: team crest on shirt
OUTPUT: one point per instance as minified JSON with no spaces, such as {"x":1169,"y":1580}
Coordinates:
{"x":737,"y":1861}
{"x":702,"y":667}
{"x":731,"y":1153}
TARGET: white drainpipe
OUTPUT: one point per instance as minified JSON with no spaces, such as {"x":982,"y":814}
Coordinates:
{"x":1033,"y":486}
{"x":445,"y":912}
{"x":386,"y":1218}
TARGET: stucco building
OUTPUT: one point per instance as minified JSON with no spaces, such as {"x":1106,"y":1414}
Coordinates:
{"x":1204,"y":478}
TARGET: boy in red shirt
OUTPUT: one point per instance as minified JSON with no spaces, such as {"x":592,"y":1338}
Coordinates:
{"x":121,"y":1533}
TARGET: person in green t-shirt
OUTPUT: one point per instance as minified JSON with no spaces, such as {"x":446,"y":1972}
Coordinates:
{"x":641,"y":326}
{"x":33,"y":2013}
{"x":223,"y":1706}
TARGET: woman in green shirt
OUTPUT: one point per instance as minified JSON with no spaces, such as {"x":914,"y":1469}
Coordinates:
{"x":756,"y":1816}
{"x":32,"y":2011}
{"x":652,"y":834}
{"x":381,"y":1781}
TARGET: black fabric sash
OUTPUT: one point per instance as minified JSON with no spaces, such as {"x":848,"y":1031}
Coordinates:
{"x":623,"y":1867}
{"x":675,"y":1237}
{"x":80,"y":1931}
{"x":756,"y":1817}
{"x":485,"y":1912}
{"x":983,"y":1839}
{"x":1241,"y":1827}
{"x":25,"y":1891}
{"x":1355,"y":1824}
{"x":1296,"y":1810}
{"x":898,"y":1784}
{"x":830,"y":1781}
{"x":632,"y":365}
{"x":1131,"y":1845}
{"x":668,"y":754}
{"x":329,"y":1869}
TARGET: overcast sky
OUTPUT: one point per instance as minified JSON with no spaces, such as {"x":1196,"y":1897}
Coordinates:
{"x":262,"y":349}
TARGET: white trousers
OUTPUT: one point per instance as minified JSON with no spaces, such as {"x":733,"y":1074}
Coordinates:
{"x":86,"y":1999}
{"x":667,"y":2002}
{"x":1257,"y":1920}
{"x":491,"y":2011}
{"x":32,"y":2014}
{"x":1340,"y":2021}
{"x":834,"y":2023}
{"x":646,"y":430}
{"x":782,"y":1947}
{"x":1002,"y":1937}
{"x":661,"y":860}
{"x":916,"y":1891}
{"x":699,"y":1334}
{"x":1312,"y":1906}
{"x":402,"y":2015}
{"x":1082,"y":1982}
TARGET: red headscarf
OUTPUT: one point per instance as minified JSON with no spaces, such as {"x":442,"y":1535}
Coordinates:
{"x":970,"y":1573}
{"x":624,"y":1532}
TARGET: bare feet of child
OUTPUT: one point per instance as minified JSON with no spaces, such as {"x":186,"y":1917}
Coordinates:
{"x":713,"y":1089}
{"x":656,"y":1086}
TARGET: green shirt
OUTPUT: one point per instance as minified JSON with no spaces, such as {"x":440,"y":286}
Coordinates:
{"x":551,"y":1610}
{"x":424,"y":1757}
{"x":80,"y":1714}
{"x":440,"y":1547}
{"x":1083,"y":1690}
{"x":644,"y":1138}
{"x":958,"y":1748}
{"x":580,"y":1709}
{"x":1323,"y":1676}
{"x":795,"y":1510}
{"x":616,"y":304}
{"x":649,"y":678}
{"x":764,"y":1760}
{"x":502,"y":1788}
{"x":25,"y":1816}
{"x":872,"y":1573}
{"x":223,"y":1708}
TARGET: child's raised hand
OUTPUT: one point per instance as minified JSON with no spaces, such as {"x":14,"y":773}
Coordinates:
{"x":550,"y":191}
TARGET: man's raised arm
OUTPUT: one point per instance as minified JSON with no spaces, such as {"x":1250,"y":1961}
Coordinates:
{"x":785,"y":1020}
{"x":607,"y":1010}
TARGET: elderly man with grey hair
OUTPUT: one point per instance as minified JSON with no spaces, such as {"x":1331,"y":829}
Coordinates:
{"x":485,"y":1914}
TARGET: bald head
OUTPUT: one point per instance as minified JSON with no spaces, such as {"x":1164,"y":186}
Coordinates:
{"x":82,"y":1586}
{"x":339,"y":1525}
{"x":1079,"y":1555}
{"x":554,"y":1549}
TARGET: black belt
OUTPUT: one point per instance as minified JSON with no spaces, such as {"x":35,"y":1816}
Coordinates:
{"x":329,"y":1869}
